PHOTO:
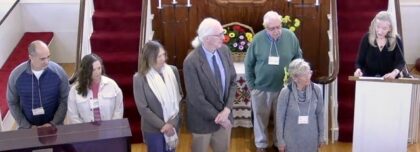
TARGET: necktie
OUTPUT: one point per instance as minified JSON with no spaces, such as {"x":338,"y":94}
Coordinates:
{"x":217,"y":75}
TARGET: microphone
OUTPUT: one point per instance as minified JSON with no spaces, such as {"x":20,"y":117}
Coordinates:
{"x":404,"y":72}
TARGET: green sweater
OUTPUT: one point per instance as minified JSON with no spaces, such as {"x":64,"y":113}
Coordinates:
{"x":259,"y":74}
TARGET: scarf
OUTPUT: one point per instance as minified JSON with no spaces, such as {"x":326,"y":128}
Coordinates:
{"x":167,"y":92}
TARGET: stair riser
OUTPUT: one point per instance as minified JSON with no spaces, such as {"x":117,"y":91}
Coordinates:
{"x":117,"y":5}
{"x":131,"y":24}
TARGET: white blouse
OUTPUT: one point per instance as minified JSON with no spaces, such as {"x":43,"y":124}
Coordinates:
{"x":110,"y":103}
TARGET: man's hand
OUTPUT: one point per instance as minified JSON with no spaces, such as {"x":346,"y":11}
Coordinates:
{"x":222,"y":116}
{"x":45,"y":125}
{"x":226,"y":124}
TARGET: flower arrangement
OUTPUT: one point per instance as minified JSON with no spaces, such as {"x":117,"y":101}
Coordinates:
{"x":290,"y":23}
{"x":237,"y":36}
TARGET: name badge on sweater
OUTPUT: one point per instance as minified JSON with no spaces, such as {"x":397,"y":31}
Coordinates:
{"x":94,"y":103}
{"x":273,"y":60}
{"x":38,"y":111}
{"x":302,"y":120}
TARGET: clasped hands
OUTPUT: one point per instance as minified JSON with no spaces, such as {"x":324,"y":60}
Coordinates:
{"x":223,"y":118}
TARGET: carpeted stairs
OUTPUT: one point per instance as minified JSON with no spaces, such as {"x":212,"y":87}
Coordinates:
{"x":354,"y":19}
{"x":18,"y":55}
{"x":116,"y":25}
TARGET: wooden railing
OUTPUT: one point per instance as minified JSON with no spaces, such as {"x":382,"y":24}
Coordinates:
{"x":335,"y":54}
{"x":144,"y":7}
{"x":79,"y":40}
{"x":9,"y":11}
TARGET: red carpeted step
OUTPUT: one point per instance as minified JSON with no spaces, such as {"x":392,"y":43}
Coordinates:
{"x":4,"y":76}
{"x":116,"y":40}
{"x":346,"y":131}
{"x":117,"y":5}
{"x":361,"y":6}
{"x":18,"y":55}
{"x":103,"y":41}
{"x":112,"y":60}
{"x":348,"y":18}
{"x":354,"y":18}
{"x":111,"y":21}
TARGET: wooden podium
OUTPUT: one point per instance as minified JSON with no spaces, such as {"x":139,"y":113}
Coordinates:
{"x":382,"y":114}
{"x":107,"y":136}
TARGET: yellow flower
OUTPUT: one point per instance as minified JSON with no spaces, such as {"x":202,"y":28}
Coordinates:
{"x":248,"y":35}
{"x":286,"y":19}
{"x":231,"y":34}
{"x":286,"y":76}
{"x":249,"y":39}
{"x":224,"y":31}
{"x":292,"y":29}
{"x":297,"y":22}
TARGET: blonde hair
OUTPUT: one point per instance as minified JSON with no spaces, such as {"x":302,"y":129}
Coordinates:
{"x":391,"y":36}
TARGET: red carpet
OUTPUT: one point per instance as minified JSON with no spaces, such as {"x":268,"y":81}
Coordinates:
{"x":354,"y":18}
{"x":116,"y":25}
{"x":19,"y":55}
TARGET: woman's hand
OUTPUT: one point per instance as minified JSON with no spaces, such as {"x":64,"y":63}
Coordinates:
{"x":358,"y":73}
{"x":392,"y":75}
{"x":167,"y":129}
{"x":282,"y":148}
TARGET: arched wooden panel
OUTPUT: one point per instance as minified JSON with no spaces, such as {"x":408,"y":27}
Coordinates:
{"x":175,"y":25}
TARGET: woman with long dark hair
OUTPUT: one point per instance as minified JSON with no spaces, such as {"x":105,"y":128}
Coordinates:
{"x":94,"y":97}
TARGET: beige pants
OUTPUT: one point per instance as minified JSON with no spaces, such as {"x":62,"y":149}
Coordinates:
{"x":219,"y":141}
{"x":264,"y":104}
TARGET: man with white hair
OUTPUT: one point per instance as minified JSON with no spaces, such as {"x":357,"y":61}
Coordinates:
{"x":272,"y":49}
{"x":210,"y":84}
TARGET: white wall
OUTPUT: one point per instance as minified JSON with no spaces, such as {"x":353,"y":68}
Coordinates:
{"x":5,"y":6}
{"x":58,"y":16}
{"x":10,"y":33}
{"x":410,"y":9}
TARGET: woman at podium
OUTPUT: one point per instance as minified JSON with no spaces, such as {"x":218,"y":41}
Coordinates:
{"x":300,"y":112}
{"x":94,"y":97}
{"x":381,"y":52}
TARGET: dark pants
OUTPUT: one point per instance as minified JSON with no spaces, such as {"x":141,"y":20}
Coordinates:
{"x":155,"y":142}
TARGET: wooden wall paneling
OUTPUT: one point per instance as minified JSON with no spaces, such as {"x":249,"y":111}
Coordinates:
{"x":176,"y":27}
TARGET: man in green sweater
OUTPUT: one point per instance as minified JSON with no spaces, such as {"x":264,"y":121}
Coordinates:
{"x":271,"y":50}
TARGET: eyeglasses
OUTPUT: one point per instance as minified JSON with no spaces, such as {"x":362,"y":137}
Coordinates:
{"x":273,"y":28}
{"x":305,"y":74}
{"x":217,"y":35}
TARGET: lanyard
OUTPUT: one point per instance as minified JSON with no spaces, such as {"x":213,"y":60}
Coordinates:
{"x":271,"y":48}
{"x":309,"y":107}
{"x":39,"y":92}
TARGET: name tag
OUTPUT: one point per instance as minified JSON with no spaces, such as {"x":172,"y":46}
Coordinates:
{"x":94,"y":103}
{"x":303,"y":120}
{"x":273,"y":60}
{"x":38,"y":111}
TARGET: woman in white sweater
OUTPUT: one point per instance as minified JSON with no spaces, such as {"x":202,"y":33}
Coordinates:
{"x":94,"y":96}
